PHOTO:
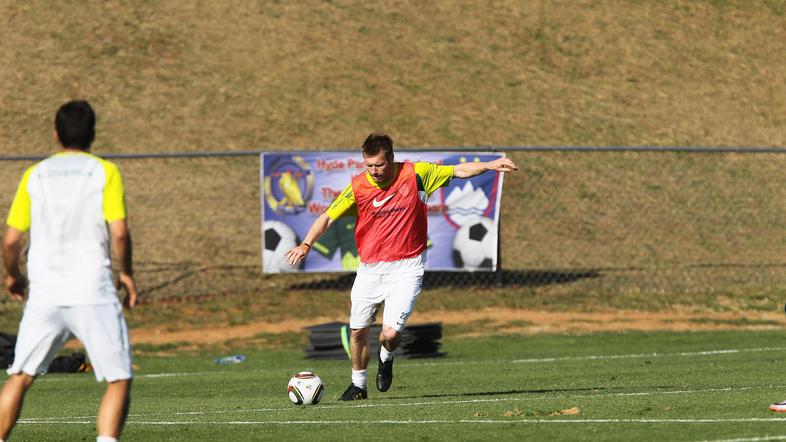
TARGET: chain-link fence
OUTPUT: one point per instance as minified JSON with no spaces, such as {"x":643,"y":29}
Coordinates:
{"x":588,"y":225}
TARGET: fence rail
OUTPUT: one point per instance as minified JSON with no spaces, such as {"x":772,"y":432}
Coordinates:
{"x":246,"y":153}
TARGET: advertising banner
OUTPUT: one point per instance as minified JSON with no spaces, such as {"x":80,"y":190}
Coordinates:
{"x":463,"y":216}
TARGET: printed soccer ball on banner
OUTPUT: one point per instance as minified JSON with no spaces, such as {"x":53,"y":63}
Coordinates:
{"x":305,"y":388}
{"x":475,"y":244}
{"x":278,"y":239}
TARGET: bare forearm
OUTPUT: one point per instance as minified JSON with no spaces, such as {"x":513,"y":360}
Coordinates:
{"x":320,"y":226}
{"x":11,"y":260}
{"x":299,"y":252}
{"x":12,"y":250}
{"x":123,"y":255}
{"x":468,"y":170}
{"x":120,"y":239}
{"x":122,"y":249}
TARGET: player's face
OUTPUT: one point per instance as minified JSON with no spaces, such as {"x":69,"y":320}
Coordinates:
{"x":380,"y":169}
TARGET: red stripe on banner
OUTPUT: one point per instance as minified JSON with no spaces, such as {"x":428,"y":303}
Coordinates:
{"x":445,"y":209}
{"x":492,"y":196}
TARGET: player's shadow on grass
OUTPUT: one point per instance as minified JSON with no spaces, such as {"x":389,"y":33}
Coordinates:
{"x":505,"y":278}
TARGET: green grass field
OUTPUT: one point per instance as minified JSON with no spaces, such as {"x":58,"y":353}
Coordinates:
{"x":622,"y":386}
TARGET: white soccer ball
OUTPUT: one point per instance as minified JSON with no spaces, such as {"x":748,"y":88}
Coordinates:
{"x":475,"y":244}
{"x":278,"y":238}
{"x":305,"y":388}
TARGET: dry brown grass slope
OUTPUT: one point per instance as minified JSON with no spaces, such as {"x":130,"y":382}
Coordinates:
{"x":188,"y":76}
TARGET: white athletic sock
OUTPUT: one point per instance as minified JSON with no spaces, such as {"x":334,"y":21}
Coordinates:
{"x":384,"y":354}
{"x":105,"y":439}
{"x":359,"y":378}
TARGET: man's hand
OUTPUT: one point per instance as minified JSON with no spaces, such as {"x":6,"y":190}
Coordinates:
{"x":16,"y":286}
{"x":297,"y":254}
{"x":504,"y":164}
{"x":121,"y":246}
{"x":126,"y":281}
{"x":471,"y":169}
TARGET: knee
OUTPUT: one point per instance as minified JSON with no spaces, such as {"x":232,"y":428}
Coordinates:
{"x":390,"y":334}
{"x":16,"y":386}
{"x":359,"y":335}
{"x":21,"y":380}
{"x":119,"y":385}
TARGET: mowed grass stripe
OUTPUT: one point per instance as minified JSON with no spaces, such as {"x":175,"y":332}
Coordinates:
{"x":434,"y":421}
{"x":425,"y":403}
{"x":409,"y":364}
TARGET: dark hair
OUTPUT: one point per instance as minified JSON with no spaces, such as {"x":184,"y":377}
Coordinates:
{"x":75,"y":123}
{"x":378,"y":142}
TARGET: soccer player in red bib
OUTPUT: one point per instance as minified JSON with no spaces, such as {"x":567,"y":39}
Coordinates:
{"x":391,"y":233}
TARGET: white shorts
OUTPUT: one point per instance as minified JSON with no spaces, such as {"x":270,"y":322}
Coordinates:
{"x":101,"y":328}
{"x":399,"y":291}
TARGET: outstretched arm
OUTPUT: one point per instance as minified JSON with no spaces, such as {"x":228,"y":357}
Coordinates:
{"x":468,"y":170}
{"x":121,"y":248}
{"x":15,"y":282}
{"x":320,"y":226}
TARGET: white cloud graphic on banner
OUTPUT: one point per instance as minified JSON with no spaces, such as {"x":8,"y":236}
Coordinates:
{"x":466,"y":204}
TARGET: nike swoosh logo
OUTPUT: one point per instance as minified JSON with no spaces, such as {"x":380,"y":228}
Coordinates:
{"x":376,"y":203}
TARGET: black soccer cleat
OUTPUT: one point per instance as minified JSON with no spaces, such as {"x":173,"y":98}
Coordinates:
{"x":384,"y":373}
{"x":354,"y":393}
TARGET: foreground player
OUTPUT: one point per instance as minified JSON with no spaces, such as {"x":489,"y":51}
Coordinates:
{"x":390,"y":199}
{"x":66,"y":202}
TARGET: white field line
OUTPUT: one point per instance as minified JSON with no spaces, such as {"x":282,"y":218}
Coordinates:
{"x":750,"y":439}
{"x":435,"y":421}
{"x":484,"y":362}
{"x":652,"y":355}
{"x":425,"y":403}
